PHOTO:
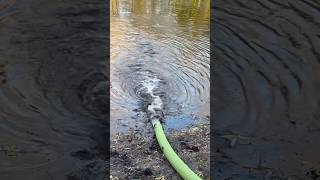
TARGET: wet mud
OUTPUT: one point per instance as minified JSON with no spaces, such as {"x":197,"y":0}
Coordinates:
{"x":53,"y":89}
{"x":136,"y":157}
{"x":266,"y":122}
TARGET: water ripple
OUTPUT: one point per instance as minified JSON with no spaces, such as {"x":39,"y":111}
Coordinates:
{"x":266,"y":80}
{"x":167,"y":44}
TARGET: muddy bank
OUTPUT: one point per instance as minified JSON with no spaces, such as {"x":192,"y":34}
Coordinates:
{"x":53,"y":90}
{"x":265,"y":95}
{"x":135,"y":156}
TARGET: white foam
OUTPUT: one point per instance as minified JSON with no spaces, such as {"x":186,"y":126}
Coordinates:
{"x":150,"y":84}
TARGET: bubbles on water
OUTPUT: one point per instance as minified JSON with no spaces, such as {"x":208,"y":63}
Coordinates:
{"x":149,"y":84}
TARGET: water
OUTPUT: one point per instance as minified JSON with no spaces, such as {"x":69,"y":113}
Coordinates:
{"x":53,"y":90}
{"x":160,"y":59}
{"x":266,"y":93}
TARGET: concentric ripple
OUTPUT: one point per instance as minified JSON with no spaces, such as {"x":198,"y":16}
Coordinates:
{"x":162,"y":46}
{"x":267,"y":86}
{"x":53,"y":90}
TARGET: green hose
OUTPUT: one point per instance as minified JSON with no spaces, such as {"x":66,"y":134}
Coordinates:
{"x":184,"y":171}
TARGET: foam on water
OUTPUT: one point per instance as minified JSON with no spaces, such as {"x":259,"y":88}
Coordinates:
{"x":150,"y":84}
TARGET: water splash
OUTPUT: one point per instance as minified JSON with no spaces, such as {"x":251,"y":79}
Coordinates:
{"x":150,"y":84}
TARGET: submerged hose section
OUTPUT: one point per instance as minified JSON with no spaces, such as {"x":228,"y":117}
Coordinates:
{"x":184,"y":171}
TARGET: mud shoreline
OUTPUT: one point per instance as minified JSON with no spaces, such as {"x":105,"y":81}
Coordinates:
{"x":139,"y":157}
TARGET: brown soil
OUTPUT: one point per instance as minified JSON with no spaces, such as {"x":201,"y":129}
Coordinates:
{"x":136,"y":157}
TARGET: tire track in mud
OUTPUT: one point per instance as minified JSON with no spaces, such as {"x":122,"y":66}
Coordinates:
{"x":266,"y":74}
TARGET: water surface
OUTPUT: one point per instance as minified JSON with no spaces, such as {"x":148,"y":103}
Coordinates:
{"x":162,"y":47}
{"x":53,"y":90}
{"x":266,"y":94}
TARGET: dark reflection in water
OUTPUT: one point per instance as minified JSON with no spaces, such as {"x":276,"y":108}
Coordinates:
{"x":163,"y":46}
{"x":53,"y":90}
{"x":266,"y":94}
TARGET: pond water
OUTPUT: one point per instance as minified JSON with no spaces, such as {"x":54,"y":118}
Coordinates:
{"x":266,"y":94}
{"x":53,"y":89}
{"x":160,"y":47}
